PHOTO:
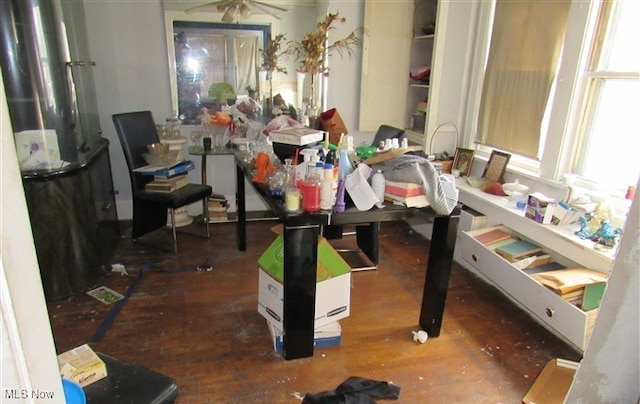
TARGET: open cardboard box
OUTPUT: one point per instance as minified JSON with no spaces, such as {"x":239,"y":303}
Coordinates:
{"x":333,"y":288}
{"x":552,"y":384}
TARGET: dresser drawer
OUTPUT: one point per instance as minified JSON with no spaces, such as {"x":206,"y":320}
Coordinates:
{"x":564,"y":318}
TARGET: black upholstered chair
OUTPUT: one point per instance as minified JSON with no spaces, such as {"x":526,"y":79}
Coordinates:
{"x":136,"y":130}
{"x":385,"y":132}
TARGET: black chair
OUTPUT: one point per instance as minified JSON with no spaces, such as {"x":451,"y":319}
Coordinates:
{"x":385,"y":132}
{"x":136,"y":130}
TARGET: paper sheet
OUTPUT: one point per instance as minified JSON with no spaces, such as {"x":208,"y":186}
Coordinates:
{"x":359,"y":189}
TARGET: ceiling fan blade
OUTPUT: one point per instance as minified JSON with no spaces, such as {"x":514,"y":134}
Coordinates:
{"x":261,"y":3}
{"x":265,"y":10}
{"x":205,"y":6}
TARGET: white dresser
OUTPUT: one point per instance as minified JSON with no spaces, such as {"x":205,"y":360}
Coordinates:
{"x":564,"y":319}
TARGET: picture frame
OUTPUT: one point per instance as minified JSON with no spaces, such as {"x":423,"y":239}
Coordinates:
{"x":463,"y":160}
{"x":496,"y":166}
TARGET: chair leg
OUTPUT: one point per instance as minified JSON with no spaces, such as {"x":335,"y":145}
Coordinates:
{"x":173,"y":230}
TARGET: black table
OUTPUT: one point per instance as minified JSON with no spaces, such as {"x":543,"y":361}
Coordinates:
{"x":200,"y":151}
{"x":301,"y":231}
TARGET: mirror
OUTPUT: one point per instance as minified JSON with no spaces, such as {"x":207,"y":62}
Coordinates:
{"x":226,"y":48}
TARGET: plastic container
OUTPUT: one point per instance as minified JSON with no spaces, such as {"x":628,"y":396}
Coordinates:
{"x":327,"y":194}
{"x":378,"y":184}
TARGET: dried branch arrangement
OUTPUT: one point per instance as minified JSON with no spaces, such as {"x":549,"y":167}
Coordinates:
{"x":272,"y":55}
{"x":312,"y":50}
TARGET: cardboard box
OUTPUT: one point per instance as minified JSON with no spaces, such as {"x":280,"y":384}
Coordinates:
{"x":552,"y":384}
{"x":325,"y":336}
{"x":333,"y":290}
{"x":81,"y":365}
{"x":540,"y":208}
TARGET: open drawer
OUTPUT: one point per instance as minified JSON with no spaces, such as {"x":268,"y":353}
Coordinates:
{"x":561,"y":317}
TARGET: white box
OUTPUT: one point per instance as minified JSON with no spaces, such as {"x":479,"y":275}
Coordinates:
{"x":81,"y":365}
{"x":332,"y":299}
{"x":296,"y":136}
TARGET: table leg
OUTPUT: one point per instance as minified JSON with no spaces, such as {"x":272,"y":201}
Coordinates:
{"x":443,"y":239}
{"x":203,"y":173}
{"x":300,"y":266}
{"x":241,"y":225}
{"x":367,"y":239}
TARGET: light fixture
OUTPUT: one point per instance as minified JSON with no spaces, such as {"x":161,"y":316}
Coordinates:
{"x":238,"y":9}
{"x":244,"y":11}
{"x":230,"y":14}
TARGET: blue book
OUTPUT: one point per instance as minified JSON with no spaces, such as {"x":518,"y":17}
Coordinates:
{"x":518,"y":249}
{"x":167,"y":172}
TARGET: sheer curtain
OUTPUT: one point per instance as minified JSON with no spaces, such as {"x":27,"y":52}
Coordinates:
{"x":246,"y":62}
{"x":526,"y":43}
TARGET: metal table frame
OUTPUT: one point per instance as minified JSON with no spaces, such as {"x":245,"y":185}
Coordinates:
{"x":301,"y":231}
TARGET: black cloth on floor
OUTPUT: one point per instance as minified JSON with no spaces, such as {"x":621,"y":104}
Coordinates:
{"x":355,"y":390}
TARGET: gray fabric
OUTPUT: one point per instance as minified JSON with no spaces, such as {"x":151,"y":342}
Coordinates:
{"x":440,"y":189}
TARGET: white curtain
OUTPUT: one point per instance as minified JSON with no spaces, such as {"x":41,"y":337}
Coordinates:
{"x":245,"y":49}
{"x":526,"y":43}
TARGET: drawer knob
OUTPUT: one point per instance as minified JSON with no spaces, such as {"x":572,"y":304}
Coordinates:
{"x":474,"y":257}
{"x":550,"y":312}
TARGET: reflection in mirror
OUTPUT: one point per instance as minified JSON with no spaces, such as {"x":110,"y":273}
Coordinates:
{"x":300,"y":19}
{"x":215,"y":64}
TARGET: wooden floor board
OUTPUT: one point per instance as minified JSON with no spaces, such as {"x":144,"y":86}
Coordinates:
{"x":203,"y":329}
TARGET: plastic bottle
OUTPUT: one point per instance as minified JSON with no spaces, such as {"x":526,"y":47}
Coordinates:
{"x":327,"y":194}
{"x":378,"y":183}
{"x":311,"y":192}
{"x":344,"y":169}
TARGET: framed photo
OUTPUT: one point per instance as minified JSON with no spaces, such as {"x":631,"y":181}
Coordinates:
{"x":462,"y":161}
{"x":496,"y":166}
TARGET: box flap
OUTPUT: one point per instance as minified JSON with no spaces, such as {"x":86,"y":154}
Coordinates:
{"x":552,"y":384}
{"x":330,"y":263}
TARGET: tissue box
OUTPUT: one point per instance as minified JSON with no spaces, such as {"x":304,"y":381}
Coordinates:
{"x":540,"y":208}
{"x":81,"y":365}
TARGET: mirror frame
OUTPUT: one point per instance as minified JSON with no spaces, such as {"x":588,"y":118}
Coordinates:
{"x":202,"y":17}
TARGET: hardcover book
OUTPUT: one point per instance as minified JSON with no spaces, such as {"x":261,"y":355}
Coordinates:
{"x":492,"y":236}
{"x":296,"y":136}
{"x":417,"y":201}
{"x":567,"y":280}
{"x":167,"y":186}
{"x":167,"y":172}
{"x":403,"y":188}
{"x":520,"y":248}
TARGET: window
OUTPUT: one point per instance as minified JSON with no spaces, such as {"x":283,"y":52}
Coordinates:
{"x":608,"y":147}
{"x":591,"y":123}
{"x":521,"y":69}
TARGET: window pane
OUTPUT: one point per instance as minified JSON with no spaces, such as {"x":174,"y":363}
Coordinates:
{"x":613,"y":155}
{"x":622,"y":39}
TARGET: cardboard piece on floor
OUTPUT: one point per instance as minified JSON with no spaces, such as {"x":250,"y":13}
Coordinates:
{"x":552,"y":384}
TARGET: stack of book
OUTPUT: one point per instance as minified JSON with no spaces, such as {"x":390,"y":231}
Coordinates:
{"x":162,"y":183}
{"x":581,"y":286}
{"x":405,"y":193}
{"x":218,"y":207}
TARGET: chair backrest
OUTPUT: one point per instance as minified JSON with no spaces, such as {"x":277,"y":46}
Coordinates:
{"x":385,"y":132}
{"x":136,"y":130}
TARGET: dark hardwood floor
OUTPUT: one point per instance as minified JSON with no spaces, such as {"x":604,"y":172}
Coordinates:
{"x":203,"y":328}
